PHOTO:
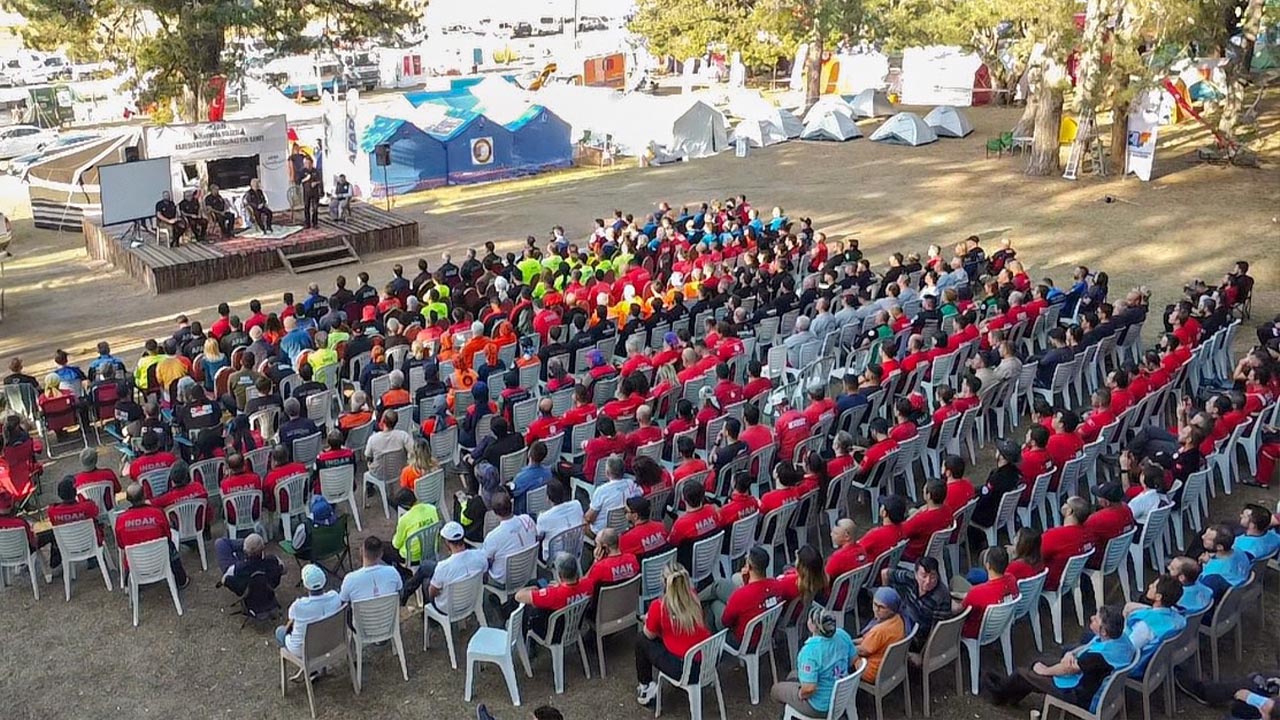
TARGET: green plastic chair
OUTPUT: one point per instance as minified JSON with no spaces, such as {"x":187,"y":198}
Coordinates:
{"x":995,"y":146}
{"x":1006,"y":140}
{"x":327,"y":543}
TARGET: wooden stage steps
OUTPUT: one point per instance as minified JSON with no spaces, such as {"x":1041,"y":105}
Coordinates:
{"x":367,"y":229}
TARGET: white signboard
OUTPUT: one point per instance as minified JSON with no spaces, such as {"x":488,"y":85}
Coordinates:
{"x":267,"y":138}
{"x":1140,"y":141}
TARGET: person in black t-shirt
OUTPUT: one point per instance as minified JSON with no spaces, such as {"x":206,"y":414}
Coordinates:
{"x":312,"y":188}
{"x":256,"y":201}
{"x":190,"y":209}
{"x":215,"y":206}
{"x":168,"y":217}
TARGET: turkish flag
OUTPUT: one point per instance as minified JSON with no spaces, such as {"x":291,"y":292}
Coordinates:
{"x":218,"y":97}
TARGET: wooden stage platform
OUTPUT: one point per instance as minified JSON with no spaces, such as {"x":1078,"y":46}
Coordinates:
{"x":368,"y":229}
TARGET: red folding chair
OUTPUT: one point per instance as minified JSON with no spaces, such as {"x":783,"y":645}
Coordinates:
{"x":23,"y":472}
{"x":102,"y":410}
{"x":60,"y":415}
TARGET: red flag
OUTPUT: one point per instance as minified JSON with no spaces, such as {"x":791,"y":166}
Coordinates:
{"x":218,"y":99}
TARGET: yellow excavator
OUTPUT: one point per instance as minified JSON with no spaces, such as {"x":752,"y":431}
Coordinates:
{"x":543,"y":76}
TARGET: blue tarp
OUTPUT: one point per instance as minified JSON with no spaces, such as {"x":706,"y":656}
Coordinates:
{"x":418,"y":160}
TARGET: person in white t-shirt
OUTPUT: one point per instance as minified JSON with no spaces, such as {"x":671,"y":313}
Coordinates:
{"x":611,"y":495}
{"x":386,"y":440}
{"x":315,"y":606}
{"x":463,"y":562}
{"x":564,"y":513}
{"x":374,"y":579}
{"x":513,"y":534}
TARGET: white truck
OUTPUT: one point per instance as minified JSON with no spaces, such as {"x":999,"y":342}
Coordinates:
{"x":360,"y":69}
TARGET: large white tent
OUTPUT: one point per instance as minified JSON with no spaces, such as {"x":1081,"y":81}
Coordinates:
{"x":590,"y":111}
{"x":905,"y":128}
{"x":751,"y":105}
{"x":830,"y":103}
{"x":939,"y":75}
{"x":676,"y":126}
{"x":948,"y":121}
{"x":870,"y":103}
{"x":831,"y":124}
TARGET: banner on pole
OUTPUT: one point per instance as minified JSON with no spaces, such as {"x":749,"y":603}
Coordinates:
{"x":1140,"y":141}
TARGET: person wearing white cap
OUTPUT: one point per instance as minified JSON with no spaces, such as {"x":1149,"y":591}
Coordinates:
{"x":463,"y":562}
{"x":315,"y":606}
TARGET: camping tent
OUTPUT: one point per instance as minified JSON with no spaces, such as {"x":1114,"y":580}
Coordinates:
{"x":590,"y":111}
{"x":751,"y":105}
{"x":947,"y":121}
{"x":944,"y":75}
{"x":905,"y":128}
{"x":757,"y":133}
{"x":870,"y":103}
{"x":679,"y":126}
{"x":830,"y":103}
{"x":830,"y":125}
{"x":64,"y":185}
{"x":540,"y":140}
{"x":417,"y":159}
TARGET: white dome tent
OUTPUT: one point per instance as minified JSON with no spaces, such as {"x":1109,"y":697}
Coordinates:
{"x":905,"y":128}
{"x":757,"y":133}
{"x":829,"y":103}
{"x":831,"y":124}
{"x":751,"y":105}
{"x":947,"y":121}
{"x":870,"y":103}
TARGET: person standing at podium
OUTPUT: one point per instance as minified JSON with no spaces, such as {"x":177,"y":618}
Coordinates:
{"x":312,"y":188}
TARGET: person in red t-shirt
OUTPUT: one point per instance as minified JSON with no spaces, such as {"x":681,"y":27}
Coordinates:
{"x":882,"y":538}
{"x":903,"y":429}
{"x":1035,"y":459}
{"x":1064,"y":443}
{"x":141,"y":523}
{"x":73,"y":509}
{"x":583,"y":409}
{"x":959,"y":489}
{"x":755,"y":434}
{"x":637,"y":360}
{"x":239,"y":479}
{"x":602,"y":446}
{"x":543,"y":426}
{"x":151,"y":459}
{"x":1121,"y":397}
{"x":673,"y":625}
{"x":1026,"y":562}
{"x":180,"y":488}
{"x":697,"y":522}
{"x":646,"y":431}
{"x":727,"y":391}
{"x":743,"y":598}
{"x":741,"y":502}
{"x":879,"y":428}
{"x":998,"y":588}
{"x":1059,"y":544}
{"x":1111,"y":520}
{"x":820,"y":407}
{"x":848,"y":555}
{"x":91,"y":473}
{"x":756,"y":382}
{"x":918,"y":529}
{"x":843,"y":458}
{"x":283,"y":466}
{"x":793,"y":428}
{"x":611,"y":566}
{"x":1097,"y":418}
{"x":786,"y":479}
{"x":688,"y":463}
{"x":569,"y":587}
{"x":646,"y":536}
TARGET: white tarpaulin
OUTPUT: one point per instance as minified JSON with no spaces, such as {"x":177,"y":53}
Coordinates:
{"x":266,"y":138}
{"x":938,"y":75}
{"x":947,"y":121}
{"x":905,"y":129}
{"x":852,"y":73}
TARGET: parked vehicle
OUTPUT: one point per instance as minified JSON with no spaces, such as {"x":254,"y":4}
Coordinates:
{"x":18,"y":140}
{"x":50,"y":69}
{"x":360,"y":69}
{"x":304,"y":77}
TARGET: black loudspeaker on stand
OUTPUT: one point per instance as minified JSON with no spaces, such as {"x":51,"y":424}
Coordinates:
{"x":382,"y":156}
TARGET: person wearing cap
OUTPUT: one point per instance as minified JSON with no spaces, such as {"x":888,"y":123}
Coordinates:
{"x":1111,"y":519}
{"x":143,"y":522}
{"x":462,"y":562}
{"x":318,"y":604}
{"x":91,"y":473}
{"x":72,"y":508}
{"x":1005,"y":477}
{"x":826,"y":657}
{"x":1060,"y":544}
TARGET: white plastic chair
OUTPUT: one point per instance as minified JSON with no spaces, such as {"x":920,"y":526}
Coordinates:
{"x":149,"y":563}
{"x":1029,"y":591}
{"x":1069,"y":583}
{"x":995,"y":627}
{"x":568,"y":621}
{"x":893,"y":672}
{"x":323,"y":645}
{"x":521,"y":567}
{"x":1035,"y":505}
{"x":1005,"y":514}
{"x":707,"y":654}
{"x":462,"y":598}
{"x":373,"y":621}
{"x":1113,"y":561}
{"x":390,"y":465}
{"x":1150,"y":543}
{"x":294,"y":490}
{"x":16,"y":553}
{"x":741,"y":537}
{"x":335,"y":486}
{"x":495,"y":645}
{"x":615,"y":612}
{"x":187,"y":522}
{"x":940,"y":650}
{"x":651,"y":582}
{"x":247,"y":506}
{"x":761,"y":626}
{"x":1110,"y":700}
{"x":78,"y":542}
{"x":842,"y":698}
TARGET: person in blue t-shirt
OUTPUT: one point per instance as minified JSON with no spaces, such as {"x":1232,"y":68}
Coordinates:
{"x":1259,"y":541}
{"x":1224,"y":566}
{"x":1196,"y":596}
{"x":1149,"y":626}
{"x":1079,"y":675}
{"x":824,"y":658}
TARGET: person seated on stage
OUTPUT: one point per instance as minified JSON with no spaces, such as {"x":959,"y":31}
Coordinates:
{"x":167,"y":217}
{"x":256,"y":201}
{"x":340,"y":200}
{"x":190,"y":209}
{"x":216,"y":209}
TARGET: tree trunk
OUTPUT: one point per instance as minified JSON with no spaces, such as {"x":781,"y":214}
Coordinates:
{"x":1119,"y":137}
{"x":1048,"y":117}
{"x":813,"y":74}
{"x":1237,"y":69}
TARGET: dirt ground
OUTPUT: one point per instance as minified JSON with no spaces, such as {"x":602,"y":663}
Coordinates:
{"x":84,"y":659}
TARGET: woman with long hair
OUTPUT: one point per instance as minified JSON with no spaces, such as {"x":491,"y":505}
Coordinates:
{"x":806,"y":579}
{"x":480,"y":406}
{"x":273,"y":329}
{"x":421,"y":462}
{"x":673,"y":625}
{"x":211,"y":362}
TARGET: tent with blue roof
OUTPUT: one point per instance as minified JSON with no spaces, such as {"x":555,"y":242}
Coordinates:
{"x":477,"y":150}
{"x":418,"y":160}
{"x":540,"y":141}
